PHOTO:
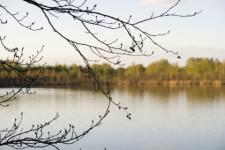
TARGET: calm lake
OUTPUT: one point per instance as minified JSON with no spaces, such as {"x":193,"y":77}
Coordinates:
{"x":162,"y":118}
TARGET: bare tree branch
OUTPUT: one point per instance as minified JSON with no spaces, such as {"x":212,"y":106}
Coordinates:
{"x":111,"y":51}
{"x":21,"y":67}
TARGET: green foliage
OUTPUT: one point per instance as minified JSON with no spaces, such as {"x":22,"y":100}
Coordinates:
{"x":201,"y":68}
{"x":196,"y":69}
{"x":103,"y":71}
{"x":135,"y":72}
{"x":162,"y":70}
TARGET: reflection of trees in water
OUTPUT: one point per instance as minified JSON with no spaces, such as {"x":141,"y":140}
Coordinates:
{"x":158,"y":91}
{"x":59,"y":96}
{"x":162,"y":94}
{"x":132,"y":91}
{"x":193,"y":94}
{"x":205,"y":94}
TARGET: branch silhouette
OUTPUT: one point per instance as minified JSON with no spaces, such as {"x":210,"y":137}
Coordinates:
{"x":89,"y":18}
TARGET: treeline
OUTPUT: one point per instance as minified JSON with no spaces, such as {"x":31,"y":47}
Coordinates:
{"x":197,"y":71}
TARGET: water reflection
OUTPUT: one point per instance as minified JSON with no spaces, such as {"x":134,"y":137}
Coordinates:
{"x":163,"y":118}
{"x":193,"y":94}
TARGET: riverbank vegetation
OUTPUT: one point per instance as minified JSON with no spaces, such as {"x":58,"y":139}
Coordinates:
{"x":197,"y":71}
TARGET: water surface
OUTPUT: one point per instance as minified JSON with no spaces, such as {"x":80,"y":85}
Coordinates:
{"x":162,"y":118}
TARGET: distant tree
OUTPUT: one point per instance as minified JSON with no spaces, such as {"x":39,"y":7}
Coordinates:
{"x":158,"y":70}
{"x":89,"y":18}
{"x":120,"y":73}
{"x":135,"y":72}
{"x":200,"y":68}
{"x":104,"y":71}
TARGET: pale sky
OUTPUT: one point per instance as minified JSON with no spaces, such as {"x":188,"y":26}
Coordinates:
{"x":200,"y":36}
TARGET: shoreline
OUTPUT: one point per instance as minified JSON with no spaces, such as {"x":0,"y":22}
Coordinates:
{"x":125,"y":83}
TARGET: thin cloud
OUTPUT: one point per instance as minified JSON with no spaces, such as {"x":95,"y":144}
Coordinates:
{"x":159,"y":2}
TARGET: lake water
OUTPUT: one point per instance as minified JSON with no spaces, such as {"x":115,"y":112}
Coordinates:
{"x":162,"y":118}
